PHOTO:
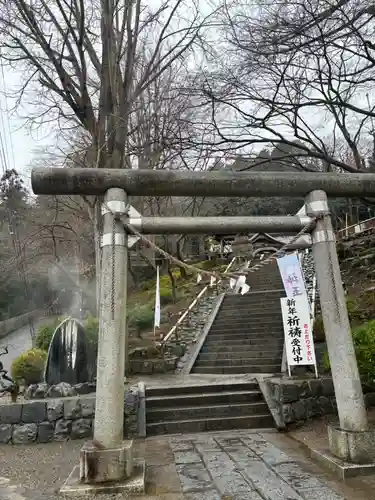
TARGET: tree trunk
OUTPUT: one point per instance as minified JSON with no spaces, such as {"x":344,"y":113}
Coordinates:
{"x":183,"y":273}
{"x":173,"y":283}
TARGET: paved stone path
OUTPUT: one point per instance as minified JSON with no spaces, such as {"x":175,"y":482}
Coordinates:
{"x":242,"y":467}
{"x":227,"y":465}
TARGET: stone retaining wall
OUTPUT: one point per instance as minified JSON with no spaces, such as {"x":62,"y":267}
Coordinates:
{"x":9,"y":325}
{"x":60,"y":419}
{"x":296,"y":401}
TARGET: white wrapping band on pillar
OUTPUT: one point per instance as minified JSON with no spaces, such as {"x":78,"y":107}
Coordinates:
{"x":107,"y":239}
{"x":115,"y":207}
{"x":323,"y":236}
{"x":318,"y":207}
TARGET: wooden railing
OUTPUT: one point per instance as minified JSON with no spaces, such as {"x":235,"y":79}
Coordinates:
{"x":185,"y":314}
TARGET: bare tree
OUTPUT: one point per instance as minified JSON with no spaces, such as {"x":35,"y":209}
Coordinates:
{"x":87,"y":62}
{"x":297,"y":74}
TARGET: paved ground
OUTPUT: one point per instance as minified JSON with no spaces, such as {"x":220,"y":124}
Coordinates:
{"x":235,"y":465}
{"x":313,"y":434}
{"x":18,"y":342}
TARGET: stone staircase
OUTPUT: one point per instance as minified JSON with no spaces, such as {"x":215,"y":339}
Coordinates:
{"x":245,"y":337}
{"x":247,"y":334}
{"x":206,"y":407}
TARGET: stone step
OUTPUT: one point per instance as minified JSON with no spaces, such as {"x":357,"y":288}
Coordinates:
{"x":200,"y":389}
{"x":212,"y":424}
{"x":222,"y":397}
{"x":206,"y":411}
{"x":237,"y":361}
{"x":250,"y":323}
{"x":238,"y":352}
{"x":260,"y":307}
{"x":255,"y":298}
{"x":239,"y":334}
{"x":228,"y":369}
{"x":261,"y":342}
{"x":228,"y":337}
{"x":249,"y":314}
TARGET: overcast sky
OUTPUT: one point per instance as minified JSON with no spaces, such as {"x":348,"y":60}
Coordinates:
{"x":21,"y":146}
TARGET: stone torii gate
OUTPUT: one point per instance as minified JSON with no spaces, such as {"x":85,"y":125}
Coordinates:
{"x":110,"y":460}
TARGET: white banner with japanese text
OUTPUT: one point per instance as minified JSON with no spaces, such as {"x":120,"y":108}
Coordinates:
{"x":299,"y":343}
{"x":292,"y":275}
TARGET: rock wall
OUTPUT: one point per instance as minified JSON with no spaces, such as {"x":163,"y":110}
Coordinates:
{"x":60,"y":419}
{"x":9,"y":325}
{"x":299,"y":400}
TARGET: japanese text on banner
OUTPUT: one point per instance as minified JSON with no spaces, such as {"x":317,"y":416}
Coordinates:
{"x":297,"y":331}
{"x":292,"y":276}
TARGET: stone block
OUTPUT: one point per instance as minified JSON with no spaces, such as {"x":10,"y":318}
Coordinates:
{"x":103,"y":465}
{"x":131,"y":401}
{"x":312,"y":407}
{"x":62,"y":390}
{"x":72,"y":409}
{"x":34,"y":412}
{"x":87,"y":407}
{"x":46,"y":431}
{"x":5,"y":433}
{"x":146,"y":368}
{"x":315,"y":386}
{"x":24,"y":433}
{"x":136,"y":366}
{"x":36,"y":391}
{"x":159,"y":366}
{"x":63,"y":429}
{"x":10,"y":414}
{"x":55,"y":409}
{"x":350,"y":446}
{"x":275,"y":390}
{"x":325,"y":405}
{"x":171,"y":364}
{"x":299,"y":410}
{"x":85,"y":388}
{"x":288,"y":415}
{"x":81,"y":428}
{"x":327,"y":387}
{"x":294,"y":390}
{"x":370,"y":399}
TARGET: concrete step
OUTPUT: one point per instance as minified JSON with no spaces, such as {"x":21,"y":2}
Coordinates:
{"x":213,"y":424}
{"x":228,"y":369}
{"x":260,"y":341}
{"x":199,"y":389}
{"x":237,"y":361}
{"x":223,"y":397}
{"x":206,"y":354}
{"x":206,"y":411}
